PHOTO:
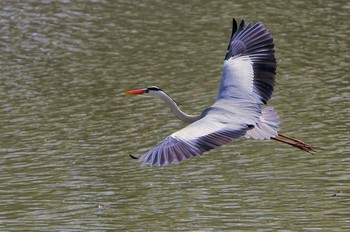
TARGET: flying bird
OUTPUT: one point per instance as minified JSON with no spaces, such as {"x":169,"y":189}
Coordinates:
{"x":247,"y":84}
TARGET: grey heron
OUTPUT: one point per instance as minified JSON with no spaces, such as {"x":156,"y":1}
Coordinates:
{"x":247,"y":84}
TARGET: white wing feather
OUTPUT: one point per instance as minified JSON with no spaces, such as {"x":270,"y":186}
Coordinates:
{"x":247,"y":82}
{"x":198,"y":137}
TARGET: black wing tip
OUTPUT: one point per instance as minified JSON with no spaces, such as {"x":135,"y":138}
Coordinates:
{"x":234,"y":26}
{"x":133,"y":157}
{"x":233,"y":32}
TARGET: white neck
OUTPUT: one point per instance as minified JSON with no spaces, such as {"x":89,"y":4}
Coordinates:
{"x":174,"y":107}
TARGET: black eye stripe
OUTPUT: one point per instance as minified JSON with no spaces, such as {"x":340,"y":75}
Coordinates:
{"x":153,"y":88}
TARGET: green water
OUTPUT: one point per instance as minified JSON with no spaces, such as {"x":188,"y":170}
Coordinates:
{"x":67,"y":132}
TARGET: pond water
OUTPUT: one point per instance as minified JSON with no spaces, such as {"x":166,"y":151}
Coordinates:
{"x":67,"y":131}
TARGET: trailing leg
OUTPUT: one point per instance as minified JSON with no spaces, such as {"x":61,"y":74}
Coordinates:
{"x":295,"y":143}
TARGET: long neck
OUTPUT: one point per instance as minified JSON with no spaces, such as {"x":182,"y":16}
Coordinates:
{"x":175,"y":108}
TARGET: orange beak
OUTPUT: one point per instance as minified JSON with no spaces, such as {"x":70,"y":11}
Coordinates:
{"x":136,"y":91}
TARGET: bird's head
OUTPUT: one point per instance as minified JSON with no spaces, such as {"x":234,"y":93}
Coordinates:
{"x":149,"y":90}
{"x":155,"y":91}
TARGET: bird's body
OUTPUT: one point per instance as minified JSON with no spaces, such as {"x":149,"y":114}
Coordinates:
{"x":247,"y":84}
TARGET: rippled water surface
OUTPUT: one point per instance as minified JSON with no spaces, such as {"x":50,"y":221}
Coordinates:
{"x":67,"y":132}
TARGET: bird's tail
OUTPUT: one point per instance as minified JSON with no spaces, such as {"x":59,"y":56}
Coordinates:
{"x":295,"y":143}
{"x":267,"y":127}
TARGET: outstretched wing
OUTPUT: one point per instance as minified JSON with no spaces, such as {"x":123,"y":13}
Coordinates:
{"x":247,"y":82}
{"x":198,"y":137}
{"x":250,"y":65}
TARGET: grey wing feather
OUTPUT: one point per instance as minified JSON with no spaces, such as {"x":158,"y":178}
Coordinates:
{"x":255,"y":43}
{"x":193,"y":140}
{"x":247,"y":82}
